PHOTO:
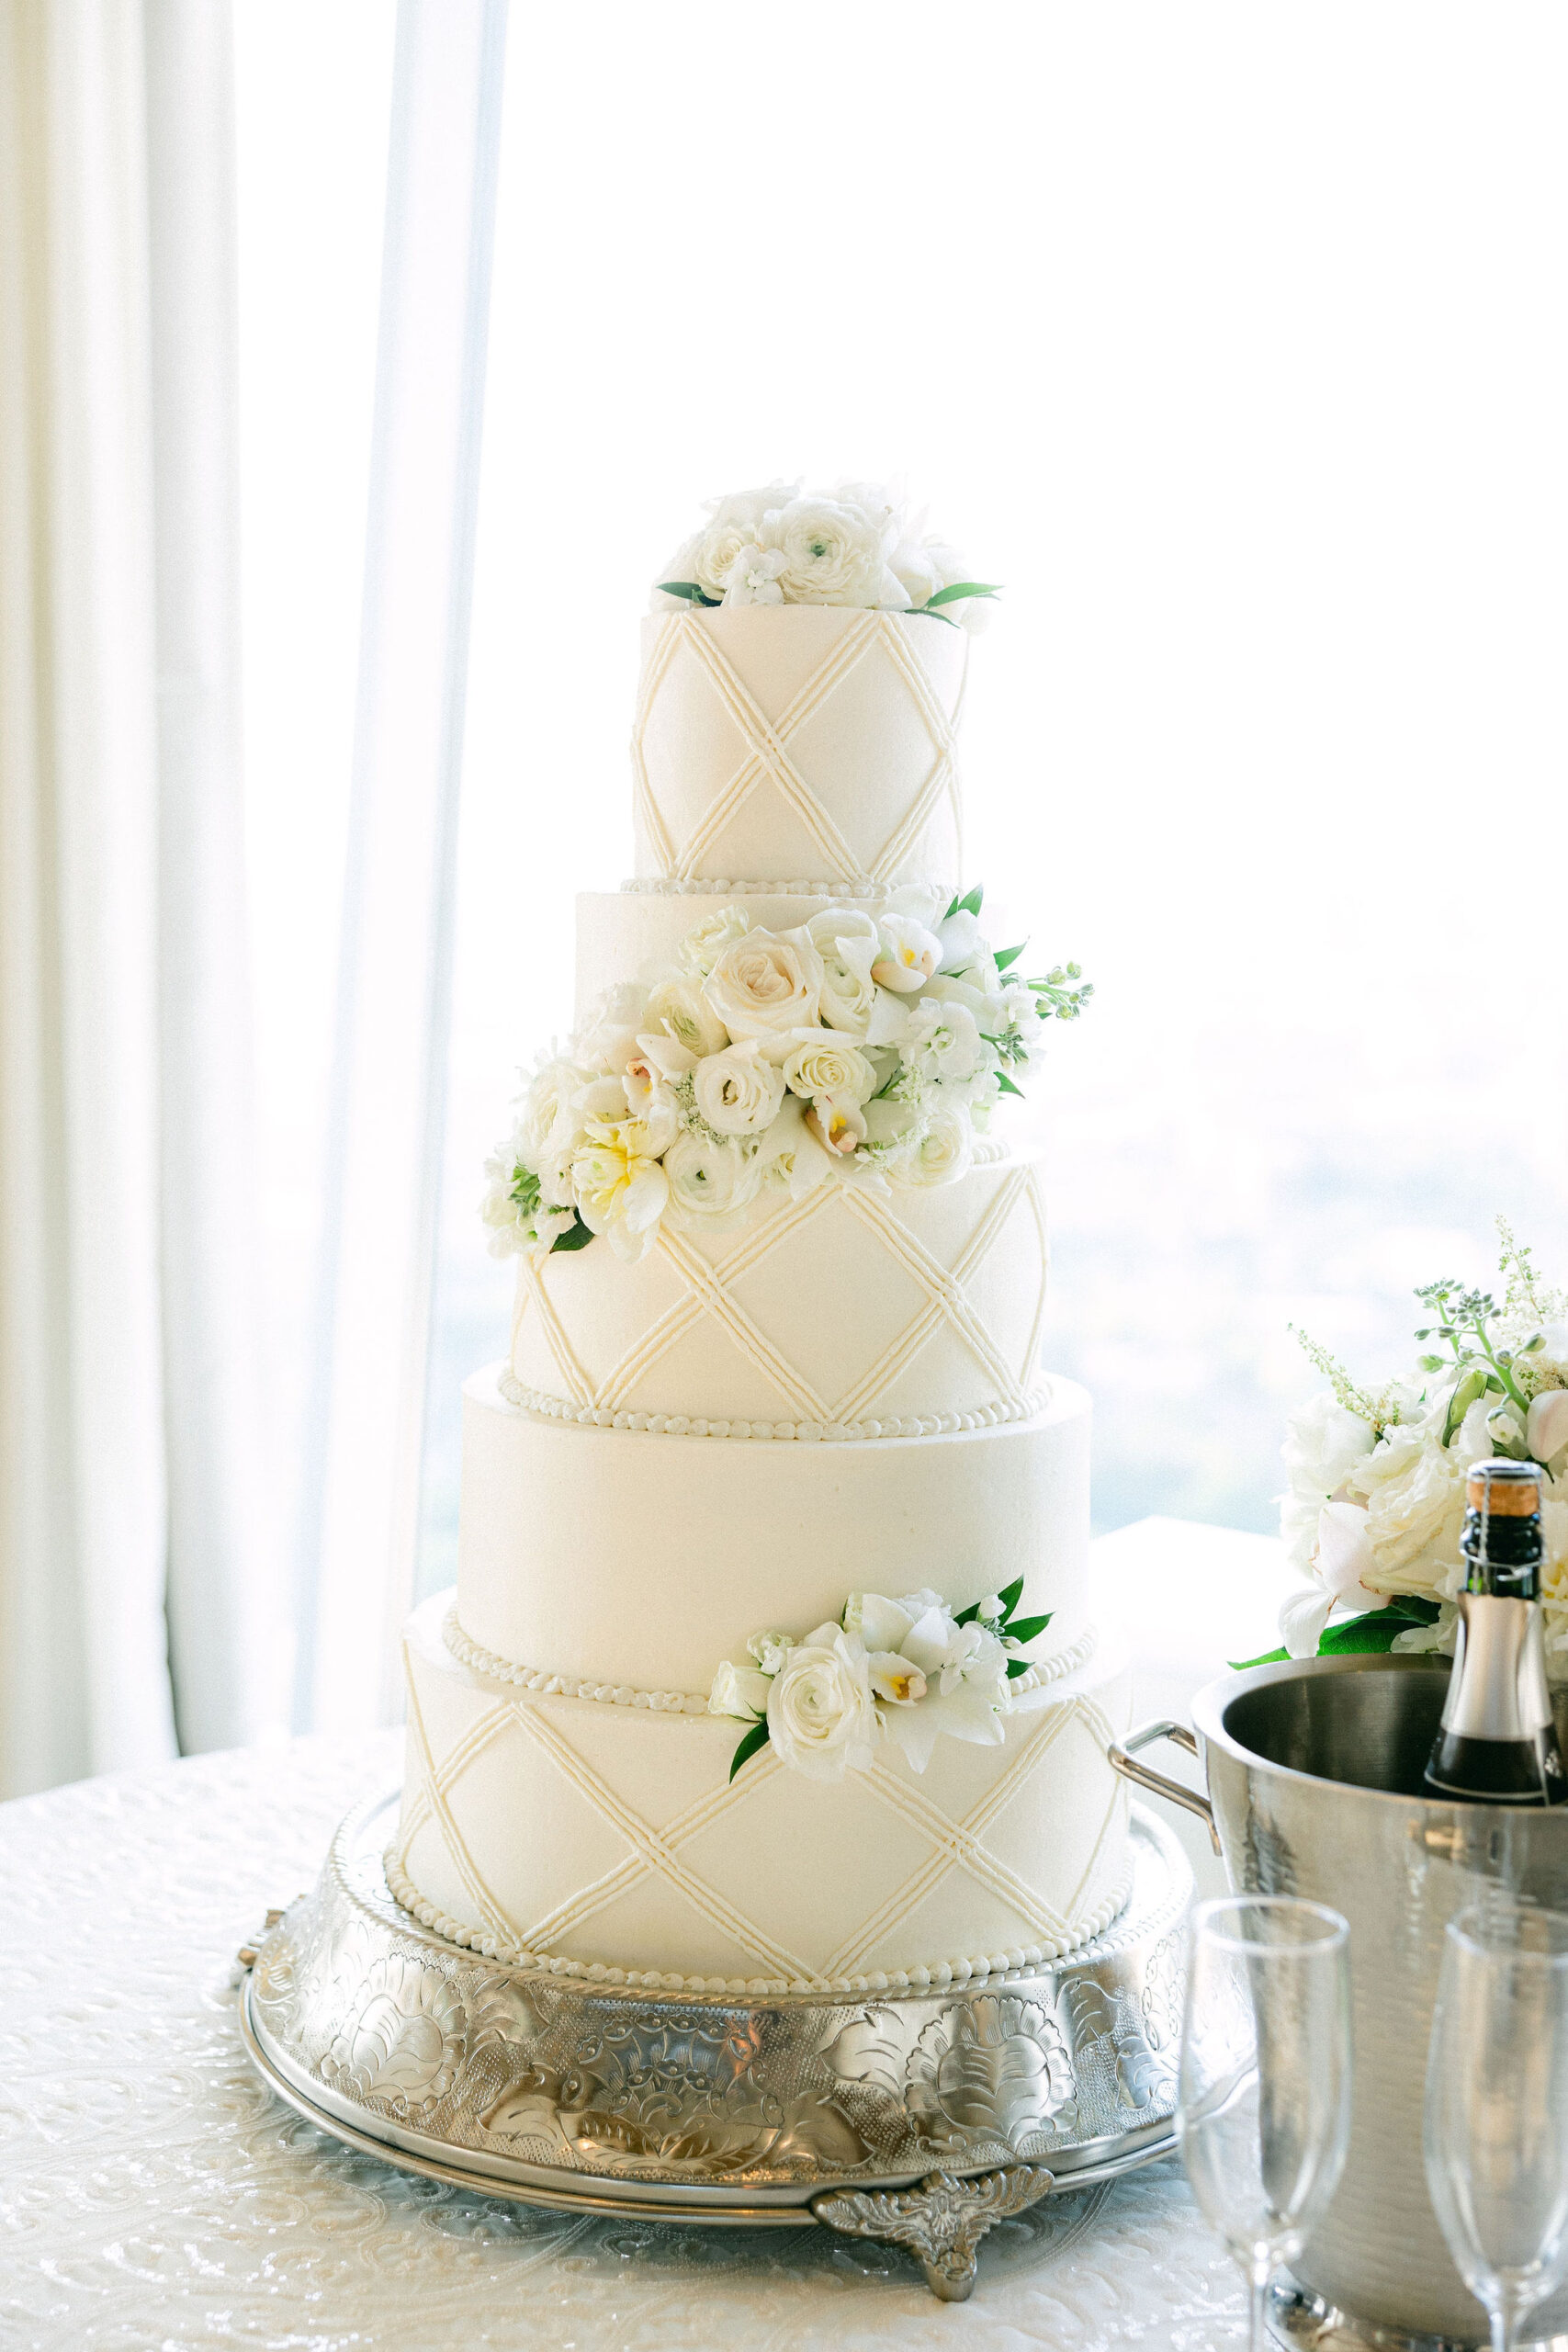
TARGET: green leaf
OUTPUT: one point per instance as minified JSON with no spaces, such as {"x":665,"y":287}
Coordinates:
{"x":916,"y":610}
{"x":971,"y":902}
{"x":1269,"y":1658}
{"x":1017,"y":1666}
{"x":687,"y":588}
{"x":1009,"y":1597}
{"x":1011,"y":954}
{"x":1007,"y":1085}
{"x":1029,"y":1629}
{"x":576,"y":1237}
{"x":1472,"y":1386}
{"x":1369,"y":1635}
{"x":755,"y":1738}
{"x":959,"y":588}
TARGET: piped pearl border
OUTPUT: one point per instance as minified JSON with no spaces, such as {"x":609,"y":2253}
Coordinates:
{"x":496,"y":1669}
{"x":601,"y":1416}
{"x":838,"y":887}
{"x":938,"y":1973}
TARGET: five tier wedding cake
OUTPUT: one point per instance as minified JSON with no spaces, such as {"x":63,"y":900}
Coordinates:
{"x":770,"y":1665}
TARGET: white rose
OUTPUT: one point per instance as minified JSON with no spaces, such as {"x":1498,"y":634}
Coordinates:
{"x":821,"y":1714}
{"x":944,"y":1042}
{"x":620,"y":1186}
{"x":766,"y":986}
{"x":790,"y":1155}
{"x":753,"y":577}
{"x":737,"y":1090}
{"x":833,"y":553}
{"x":711,"y":1185}
{"x":699,"y":950}
{"x":944,"y":1152}
{"x":608,"y":1044}
{"x":681,"y":1010}
{"x":739,"y":1690}
{"x":838,"y":1122}
{"x":825,"y":1064}
{"x":909,"y":955}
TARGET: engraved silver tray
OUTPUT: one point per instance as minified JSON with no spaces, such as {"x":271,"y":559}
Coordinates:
{"x":921,"y":2118}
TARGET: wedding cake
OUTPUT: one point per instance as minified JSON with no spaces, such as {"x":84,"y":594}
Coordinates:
{"x":770,"y":1665}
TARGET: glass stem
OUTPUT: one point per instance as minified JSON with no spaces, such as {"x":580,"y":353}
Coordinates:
{"x":1261,"y":2274}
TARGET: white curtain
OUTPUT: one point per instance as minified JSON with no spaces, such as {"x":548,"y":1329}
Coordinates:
{"x":140,"y":1582}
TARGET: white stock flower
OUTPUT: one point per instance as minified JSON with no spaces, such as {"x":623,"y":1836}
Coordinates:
{"x":766,"y":986}
{"x":681,"y":1010}
{"x":838,"y":1122}
{"x":753,"y":577}
{"x":700,"y":949}
{"x":833,"y":553}
{"x":825,"y":1063}
{"x":943,"y":1041}
{"x":944,"y":1152}
{"x":790,"y":1155}
{"x":908,"y":954}
{"x":770,"y":1648}
{"x":608,"y":1041}
{"x":741,"y":1690}
{"x":711,"y":1185}
{"x":821,"y":1714}
{"x":620,"y":1186}
{"x":738,"y":1090}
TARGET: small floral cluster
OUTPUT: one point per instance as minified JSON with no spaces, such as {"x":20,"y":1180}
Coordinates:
{"x":904,"y":1671}
{"x":1376,"y":1497}
{"x":857,"y":544}
{"x":854,"y":1048}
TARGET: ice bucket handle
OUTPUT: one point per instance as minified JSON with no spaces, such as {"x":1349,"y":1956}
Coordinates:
{"x":1124,"y":1759}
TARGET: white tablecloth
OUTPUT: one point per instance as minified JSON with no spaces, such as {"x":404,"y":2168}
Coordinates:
{"x":153,"y":2194}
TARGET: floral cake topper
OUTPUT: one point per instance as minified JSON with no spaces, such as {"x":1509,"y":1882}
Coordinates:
{"x":855,"y":1048}
{"x":857,"y":544}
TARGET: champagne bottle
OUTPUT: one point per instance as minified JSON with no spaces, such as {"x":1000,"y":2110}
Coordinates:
{"x":1497,"y":1743}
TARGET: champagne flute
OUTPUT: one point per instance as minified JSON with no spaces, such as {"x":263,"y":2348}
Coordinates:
{"x":1496,"y":2137}
{"x":1264,"y":2104}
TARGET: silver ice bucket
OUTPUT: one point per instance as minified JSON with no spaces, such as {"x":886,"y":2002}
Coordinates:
{"x":1314,"y":1773}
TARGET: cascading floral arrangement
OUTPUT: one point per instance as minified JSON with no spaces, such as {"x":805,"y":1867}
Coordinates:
{"x":855,"y":1048}
{"x":858,"y":544}
{"x":904,"y":1671}
{"x":1376,"y":1502}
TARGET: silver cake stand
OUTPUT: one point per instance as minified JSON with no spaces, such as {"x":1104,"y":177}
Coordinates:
{"x":920,"y":2118}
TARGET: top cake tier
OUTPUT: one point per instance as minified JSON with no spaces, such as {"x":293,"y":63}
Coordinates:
{"x":798,"y":743}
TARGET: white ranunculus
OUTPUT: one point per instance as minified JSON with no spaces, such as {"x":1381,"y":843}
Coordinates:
{"x":712,"y":1185}
{"x":825,"y":1063}
{"x":753,"y":577}
{"x":833,"y":553}
{"x":766,"y":986}
{"x":908,"y":954}
{"x":681,"y":1010}
{"x":838,"y":1122}
{"x":619,"y":1183}
{"x":701,"y":948}
{"x":1547,"y":1428}
{"x":944,"y":1042}
{"x":944,"y":1152}
{"x":821,"y":1714}
{"x":790,"y":1155}
{"x":738,"y":1090}
{"x":748,"y":508}
{"x":607,"y":1044}
{"x":741,"y":1690}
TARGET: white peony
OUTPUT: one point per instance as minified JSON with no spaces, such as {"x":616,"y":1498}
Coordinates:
{"x":833,"y":554}
{"x":766,"y":986}
{"x":943,"y":1041}
{"x":825,"y":1064}
{"x":711,"y":1185}
{"x":946,"y":1150}
{"x":821,"y":1713}
{"x":620,"y":1186}
{"x":790,"y":1155}
{"x":700,"y":949}
{"x":737,"y":1092}
{"x":739,"y":1690}
{"x":1414,"y":1490}
{"x":753,"y":577}
{"x":838,"y":1122}
{"x":680,"y":1008}
{"x":908,"y":954}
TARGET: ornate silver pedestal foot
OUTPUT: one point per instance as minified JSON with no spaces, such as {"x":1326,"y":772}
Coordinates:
{"x":941,"y":2221}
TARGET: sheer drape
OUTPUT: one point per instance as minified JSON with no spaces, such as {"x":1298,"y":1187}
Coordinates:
{"x":134,"y":1499}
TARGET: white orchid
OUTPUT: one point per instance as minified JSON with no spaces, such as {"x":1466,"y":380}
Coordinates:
{"x":908,"y":954}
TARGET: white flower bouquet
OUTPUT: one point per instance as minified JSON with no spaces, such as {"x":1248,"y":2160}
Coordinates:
{"x":906,"y":1670}
{"x":1376,"y":1497}
{"x":858,"y":544}
{"x":856,"y":1048}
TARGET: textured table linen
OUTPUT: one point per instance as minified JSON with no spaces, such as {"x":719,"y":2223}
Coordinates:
{"x":153,"y":2193}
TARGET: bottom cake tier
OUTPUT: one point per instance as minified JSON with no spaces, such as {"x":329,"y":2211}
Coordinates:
{"x":601,"y":1837}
